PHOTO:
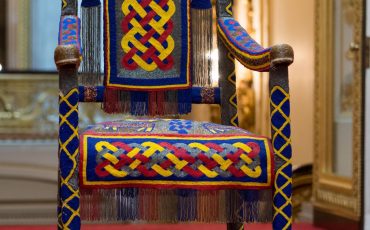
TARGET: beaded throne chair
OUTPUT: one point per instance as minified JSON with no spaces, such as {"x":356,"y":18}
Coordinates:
{"x":167,"y":170}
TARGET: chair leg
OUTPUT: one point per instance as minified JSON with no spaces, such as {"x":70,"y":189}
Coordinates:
{"x":282,"y":204}
{"x":281,"y":141}
{"x":235,"y":226}
{"x":69,"y":195}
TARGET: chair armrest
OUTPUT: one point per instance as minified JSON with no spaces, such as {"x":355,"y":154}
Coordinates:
{"x":67,"y":57}
{"x":246,"y":50}
{"x":69,"y":31}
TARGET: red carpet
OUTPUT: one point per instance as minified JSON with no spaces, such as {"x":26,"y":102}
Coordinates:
{"x":300,"y":226}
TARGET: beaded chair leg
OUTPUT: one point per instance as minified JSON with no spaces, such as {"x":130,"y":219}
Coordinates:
{"x":67,"y":60}
{"x":69,"y":196}
{"x":281,"y":57}
{"x":235,"y":226}
{"x":68,"y":192}
{"x":282,"y":214}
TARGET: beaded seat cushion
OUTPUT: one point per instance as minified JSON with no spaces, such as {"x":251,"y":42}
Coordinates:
{"x":171,"y":153}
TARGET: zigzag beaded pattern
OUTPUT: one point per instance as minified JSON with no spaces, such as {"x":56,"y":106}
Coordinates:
{"x":196,"y":160}
{"x":282,"y":147}
{"x":69,"y":217}
{"x":147,"y":40}
{"x":229,"y":8}
{"x":233,"y":99}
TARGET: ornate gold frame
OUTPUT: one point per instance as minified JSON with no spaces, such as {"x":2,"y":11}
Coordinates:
{"x":332,"y":193}
{"x":27,"y":106}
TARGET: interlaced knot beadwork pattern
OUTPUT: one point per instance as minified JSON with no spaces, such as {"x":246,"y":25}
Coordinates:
{"x":174,"y":154}
{"x":147,"y":42}
{"x":196,"y":160}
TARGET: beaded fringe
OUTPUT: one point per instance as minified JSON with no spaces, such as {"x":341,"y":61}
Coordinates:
{"x":91,"y":46}
{"x":201,"y":29}
{"x":172,"y":206}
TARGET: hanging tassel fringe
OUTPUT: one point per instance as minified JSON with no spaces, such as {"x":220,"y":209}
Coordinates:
{"x":172,"y":206}
{"x":202,"y":39}
{"x":91,"y":43}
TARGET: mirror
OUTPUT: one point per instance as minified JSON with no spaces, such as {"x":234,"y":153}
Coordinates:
{"x":338,"y":108}
{"x":344,"y":57}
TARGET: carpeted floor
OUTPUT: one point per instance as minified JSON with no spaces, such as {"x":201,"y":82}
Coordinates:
{"x":300,"y":226}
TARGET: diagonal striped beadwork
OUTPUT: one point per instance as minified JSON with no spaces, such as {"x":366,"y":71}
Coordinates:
{"x":68,"y":210}
{"x":282,"y":147}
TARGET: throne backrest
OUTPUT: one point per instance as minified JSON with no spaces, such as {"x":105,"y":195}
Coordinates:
{"x":152,"y":53}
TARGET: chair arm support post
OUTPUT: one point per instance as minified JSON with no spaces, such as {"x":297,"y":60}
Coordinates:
{"x":67,"y":59}
{"x":227,"y":82}
{"x":281,"y":57}
{"x":69,"y":7}
{"x":224,"y":8}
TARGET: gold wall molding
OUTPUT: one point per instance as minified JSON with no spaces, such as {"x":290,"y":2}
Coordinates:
{"x":330,"y":197}
{"x":29,"y":107}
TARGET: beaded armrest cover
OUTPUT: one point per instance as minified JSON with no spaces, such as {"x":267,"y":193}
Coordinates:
{"x":242,"y":46}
